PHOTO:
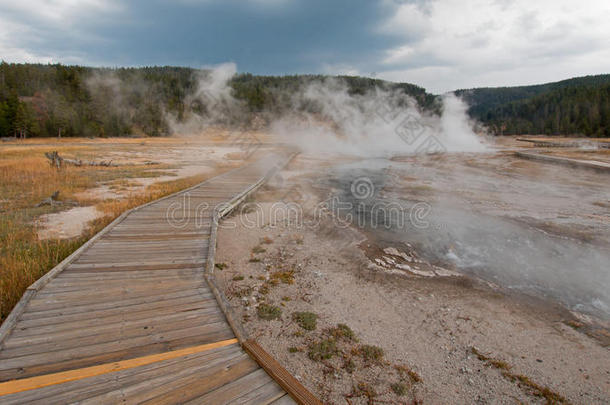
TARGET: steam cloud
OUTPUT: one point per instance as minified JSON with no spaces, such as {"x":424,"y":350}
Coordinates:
{"x":325,"y":117}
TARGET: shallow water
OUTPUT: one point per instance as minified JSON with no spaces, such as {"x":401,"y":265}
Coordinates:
{"x":481,"y":236}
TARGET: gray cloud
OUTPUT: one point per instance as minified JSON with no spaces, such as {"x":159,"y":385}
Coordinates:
{"x":439,"y":44}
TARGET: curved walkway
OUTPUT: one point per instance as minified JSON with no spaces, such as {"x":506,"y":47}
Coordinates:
{"x":130,"y":318}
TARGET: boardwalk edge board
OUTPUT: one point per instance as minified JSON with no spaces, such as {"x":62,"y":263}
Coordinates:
{"x":223,"y":302}
{"x":291,"y":385}
{"x":578,"y":163}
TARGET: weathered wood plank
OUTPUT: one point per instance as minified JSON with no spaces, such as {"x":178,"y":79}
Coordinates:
{"x":296,"y":390}
{"x":29,"y":328}
{"x":75,"y":385}
{"x":233,"y":390}
{"x":100,"y":310}
{"x":184,"y":384}
{"x":29,"y":366}
{"x":285,"y":400}
{"x":50,"y":337}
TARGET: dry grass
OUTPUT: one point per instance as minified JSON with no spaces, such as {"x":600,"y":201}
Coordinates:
{"x":523,"y":381}
{"x":26,"y":178}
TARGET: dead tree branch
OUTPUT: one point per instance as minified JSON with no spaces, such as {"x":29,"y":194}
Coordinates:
{"x":53,"y":201}
{"x":58,"y":161}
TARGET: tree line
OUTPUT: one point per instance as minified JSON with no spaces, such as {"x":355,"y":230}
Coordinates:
{"x":576,"y":107}
{"x":38,"y":100}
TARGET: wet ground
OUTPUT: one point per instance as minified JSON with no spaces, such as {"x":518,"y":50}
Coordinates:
{"x":530,"y":227}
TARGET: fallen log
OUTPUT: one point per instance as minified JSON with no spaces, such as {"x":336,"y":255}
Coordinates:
{"x":53,"y":201}
{"x":58,"y":161}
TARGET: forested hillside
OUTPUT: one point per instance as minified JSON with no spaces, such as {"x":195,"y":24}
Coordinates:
{"x":579,"y":106}
{"x":58,"y":100}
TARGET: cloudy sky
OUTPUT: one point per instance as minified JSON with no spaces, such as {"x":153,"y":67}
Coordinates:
{"x":441,"y":45}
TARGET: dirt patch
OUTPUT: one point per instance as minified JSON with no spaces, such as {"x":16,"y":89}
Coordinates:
{"x":66,"y":224}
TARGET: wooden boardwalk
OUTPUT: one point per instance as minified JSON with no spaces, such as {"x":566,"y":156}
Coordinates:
{"x":130,"y":317}
{"x":580,"y":163}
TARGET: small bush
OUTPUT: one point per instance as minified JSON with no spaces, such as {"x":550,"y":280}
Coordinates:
{"x":405,"y":371}
{"x":322,"y":350}
{"x":306,"y":320}
{"x":364,"y":389}
{"x":269,"y":312}
{"x":293,"y":349}
{"x":258,"y":249}
{"x":243,"y":292}
{"x":349,"y":365}
{"x":220,"y":266}
{"x":238,"y":278}
{"x":370,"y":353}
{"x":254,"y":260}
{"x":399,"y":389}
{"x":342,"y":331}
{"x":264,"y":289}
{"x":286,"y":277}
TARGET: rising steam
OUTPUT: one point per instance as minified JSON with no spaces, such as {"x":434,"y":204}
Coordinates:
{"x":324,"y":117}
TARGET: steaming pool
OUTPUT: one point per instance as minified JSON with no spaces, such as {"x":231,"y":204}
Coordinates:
{"x":535,"y":229}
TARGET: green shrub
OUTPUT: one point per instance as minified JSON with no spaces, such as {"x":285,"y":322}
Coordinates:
{"x":269,"y":312}
{"x":399,"y":389}
{"x":370,"y":353}
{"x":342,"y":331}
{"x":306,"y":320}
{"x":322,"y":350}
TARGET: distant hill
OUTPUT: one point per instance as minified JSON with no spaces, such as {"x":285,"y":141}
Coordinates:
{"x":53,"y":100}
{"x":578,"y":106}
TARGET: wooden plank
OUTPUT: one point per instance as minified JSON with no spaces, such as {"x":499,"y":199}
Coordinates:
{"x":114,"y":340}
{"x":100,"y":310}
{"x":47,"y":304}
{"x":580,"y":163}
{"x":263,"y":395}
{"x":23,"y":329}
{"x":285,"y":400}
{"x":184,"y":384}
{"x":93,"y":293}
{"x":91,"y":268}
{"x":110,"y":279}
{"x":51,"y":338}
{"x":11,"y":387}
{"x":161,"y":279}
{"x":82,"y":389}
{"x":297,"y":391}
{"x":140,"y":264}
{"x":30,"y":366}
{"x":70,"y":276}
{"x":233,"y":390}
